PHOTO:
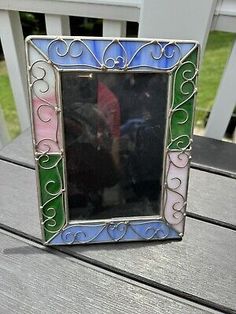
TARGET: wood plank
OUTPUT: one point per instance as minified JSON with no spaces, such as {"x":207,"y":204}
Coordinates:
{"x":202,"y":265}
{"x":212,"y":196}
{"x":18,"y":201}
{"x":129,"y":10}
{"x":204,"y":197}
{"x":225,"y":16}
{"x":20,"y":150}
{"x":214,"y":156}
{"x":121,"y":10}
{"x":38,"y":280}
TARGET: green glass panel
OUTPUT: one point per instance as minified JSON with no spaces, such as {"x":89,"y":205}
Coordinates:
{"x":184,"y":90}
{"x":52,"y":199}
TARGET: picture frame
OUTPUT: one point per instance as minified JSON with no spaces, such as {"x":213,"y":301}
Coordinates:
{"x":54,"y":64}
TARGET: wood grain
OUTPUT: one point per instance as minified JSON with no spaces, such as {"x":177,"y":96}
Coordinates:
{"x":20,"y":150}
{"x":34,"y":280}
{"x":214,"y":156}
{"x":212,"y":195}
{"x":203,"y":264}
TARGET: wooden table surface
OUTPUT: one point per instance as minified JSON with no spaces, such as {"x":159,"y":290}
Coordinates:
{"x":195,"y":275}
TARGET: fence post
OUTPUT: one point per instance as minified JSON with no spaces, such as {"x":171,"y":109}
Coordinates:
{"x":57,"y":24}
{"x":13,"y":48}
{"x":225,"y":100}
{"x":182,"y":19}
{"x":114,"y":28}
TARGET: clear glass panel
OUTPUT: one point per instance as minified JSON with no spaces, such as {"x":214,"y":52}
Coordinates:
{"x":114,"y":127}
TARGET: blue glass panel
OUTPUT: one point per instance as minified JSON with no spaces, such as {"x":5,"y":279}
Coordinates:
{"x":115,"y":231}
{"x":113,"y":54}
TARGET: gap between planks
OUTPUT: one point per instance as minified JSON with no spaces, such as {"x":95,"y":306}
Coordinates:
{"x":189,"y":214}
{"x":137,"y":280}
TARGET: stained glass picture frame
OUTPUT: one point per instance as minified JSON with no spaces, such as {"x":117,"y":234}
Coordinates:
{"x":151,"y":86}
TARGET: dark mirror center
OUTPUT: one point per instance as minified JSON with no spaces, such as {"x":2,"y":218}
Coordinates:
{"x":114,"y":126}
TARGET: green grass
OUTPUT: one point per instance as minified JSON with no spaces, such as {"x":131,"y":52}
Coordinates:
{"x":7,"y":103}
{"x":217,"y":52}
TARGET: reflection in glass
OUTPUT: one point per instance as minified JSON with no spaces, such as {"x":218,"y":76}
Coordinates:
{"x":114,"y":137}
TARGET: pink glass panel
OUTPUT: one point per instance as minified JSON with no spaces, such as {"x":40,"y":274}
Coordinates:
{"x":177,"y":167}
{"x":46,"y":126}
{"x":45,"y":106}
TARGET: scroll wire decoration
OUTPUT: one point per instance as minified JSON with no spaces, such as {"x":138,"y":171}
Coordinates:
{"x":64,"y":48}
{"x":163,"y":51}
{"x":46,"y":96}
{"x":188,"y":90}
{"x":115,"y":61}
{"x":53,"y":190}
{"x":178,"y":207}
{"x":115,"y":232}
{"x":78,"y":48}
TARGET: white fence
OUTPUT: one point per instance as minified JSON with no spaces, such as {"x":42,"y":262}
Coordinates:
{"x":182,"y":19}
